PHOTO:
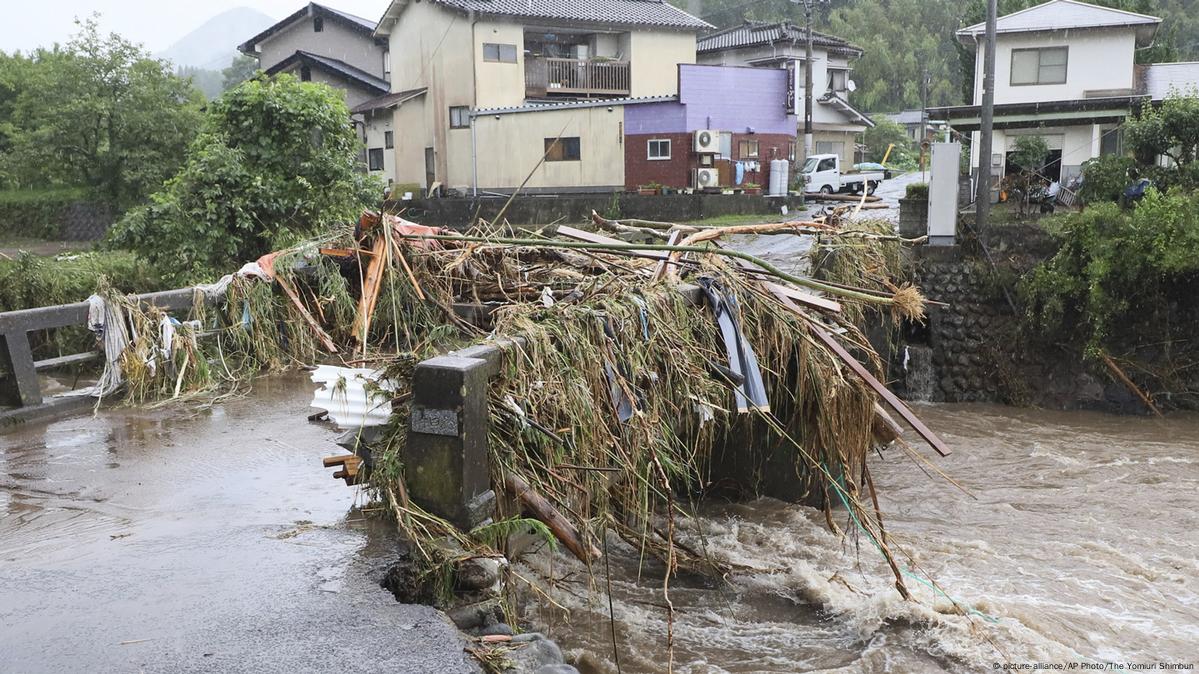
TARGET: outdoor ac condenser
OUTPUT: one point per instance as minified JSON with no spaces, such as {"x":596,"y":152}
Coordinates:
{"x":705,"y":177}
{"x":707,"y":141}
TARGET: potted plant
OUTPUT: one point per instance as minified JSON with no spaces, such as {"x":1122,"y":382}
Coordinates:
{"x":753,"y":188}
{"x":650,"y":189}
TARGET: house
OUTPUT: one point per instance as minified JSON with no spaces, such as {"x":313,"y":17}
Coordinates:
{"x":745,"y":108}
{"x":835,"y":122}
{"x":915,"y":122}
{"x":1065,"y":71}
{"x":320,"y":44}
{"x":500,"y":82}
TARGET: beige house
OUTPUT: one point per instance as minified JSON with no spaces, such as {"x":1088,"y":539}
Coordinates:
{"x":836,"y":124}
{"x":537,"y":67}
{"x":320,"y":44}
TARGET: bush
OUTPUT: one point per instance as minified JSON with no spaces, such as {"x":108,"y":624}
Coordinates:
{"x":1104,"y":178}
{"x":275,"y":162}
{"x":36,"y":214}
{"x":1116,"y":268}
{"x":29,"y":281}
{"x":918,"y":191}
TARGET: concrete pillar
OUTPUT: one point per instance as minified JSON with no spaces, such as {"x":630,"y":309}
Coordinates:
{"x":1096,"y":141}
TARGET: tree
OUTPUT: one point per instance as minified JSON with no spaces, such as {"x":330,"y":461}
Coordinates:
{"x":99,"y":112}
{"x":1171,"y":129}
{"x":242,"y":69}
{"x":882,"y":135}
{"x":275,"y":161}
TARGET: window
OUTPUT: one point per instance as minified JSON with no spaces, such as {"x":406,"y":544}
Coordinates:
{"x":305,"y":74}
{"x":318,"y":24}
{"x":387,"y":65}
{"x":459,"y":116}
{"x":1039,"y":66}
{"x":1109,"y":142}
{"x":565,"y":149}
{"x":389,"y":140}
{"x":499,"y":53}
{"x":747,"y":149}
{"x":830,"y":147}
{"x":837,"y":80}
{"x":375,"y":159}
{"x":726,"y":145}
{"x":827,"y":164}
{"x":659,"y":149}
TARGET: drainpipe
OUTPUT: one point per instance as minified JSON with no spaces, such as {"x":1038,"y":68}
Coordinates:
{"x":474,"y":156}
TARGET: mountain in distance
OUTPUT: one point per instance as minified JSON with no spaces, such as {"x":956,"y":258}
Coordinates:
{"x":213,"y":45}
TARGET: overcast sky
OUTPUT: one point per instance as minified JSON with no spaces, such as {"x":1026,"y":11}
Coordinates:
{"x":155,"y":23}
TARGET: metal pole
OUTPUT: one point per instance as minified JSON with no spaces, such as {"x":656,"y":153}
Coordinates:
{"x":982,"y":204}
{"x":474,"y":156}
{"x":807,"y":87}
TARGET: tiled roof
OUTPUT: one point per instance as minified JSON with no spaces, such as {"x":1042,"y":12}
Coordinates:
{"x":387,"y":101}
{"x":568,"y":105}
{"x":1162,"y":78}
{"x":655,"y":13}
{"x":752,"y":34}
{"x":358,"y":23}
{"x":342,"y":68}
{"x":1062,"y":15}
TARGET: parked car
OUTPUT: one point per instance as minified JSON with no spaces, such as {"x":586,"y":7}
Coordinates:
{"x":822,"y":173}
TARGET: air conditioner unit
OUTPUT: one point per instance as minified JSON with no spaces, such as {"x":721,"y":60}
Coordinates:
{"x":707,"y":141}
{"x":705,"y":177}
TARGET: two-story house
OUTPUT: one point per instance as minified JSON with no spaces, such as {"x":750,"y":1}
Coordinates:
{"x":835,"y":122}
{"x":491,"y":87}
{"x":318,"y":43}
{"x":1065,"y":71}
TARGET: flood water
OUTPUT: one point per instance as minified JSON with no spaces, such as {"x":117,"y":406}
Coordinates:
{"x":1080,"y":546}
{"x":174,"y":540}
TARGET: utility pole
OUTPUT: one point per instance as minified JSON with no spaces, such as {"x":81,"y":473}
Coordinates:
{"x":982,"y":203}
{"x":807,"y":84}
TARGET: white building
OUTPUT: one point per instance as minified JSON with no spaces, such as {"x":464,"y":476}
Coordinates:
{"x":1065,"y":71}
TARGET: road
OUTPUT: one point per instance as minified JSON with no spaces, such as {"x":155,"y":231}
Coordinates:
{"x":171,"y":540}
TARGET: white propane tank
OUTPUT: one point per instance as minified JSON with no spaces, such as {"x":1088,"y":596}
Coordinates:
{"x":779,"y":177}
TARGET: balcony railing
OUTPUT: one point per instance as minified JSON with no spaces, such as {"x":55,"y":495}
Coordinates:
{"x":579,"y":77}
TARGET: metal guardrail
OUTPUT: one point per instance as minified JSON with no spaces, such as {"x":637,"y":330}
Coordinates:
{"x":19,"y":385}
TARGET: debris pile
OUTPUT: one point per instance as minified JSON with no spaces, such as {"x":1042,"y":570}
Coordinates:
{"x":636,"y":366}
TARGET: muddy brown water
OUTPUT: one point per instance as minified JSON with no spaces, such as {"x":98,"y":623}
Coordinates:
{"x":1080,"y":547}
{"x":166,"y":540}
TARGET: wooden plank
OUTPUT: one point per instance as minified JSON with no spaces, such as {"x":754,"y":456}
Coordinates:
{"x":592,"y":237}
{"x":806,"y":299}
{"x":663,"y":266}
{"x":883,"y":392}
{"x":370,"y":290}
{"x":316,"y":327}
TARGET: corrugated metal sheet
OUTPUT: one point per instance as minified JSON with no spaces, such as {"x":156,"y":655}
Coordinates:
{"x":1162,"y":78}
{"x":621,"y":12}
{"x":353,"y":397}
{"x":1061,"y":15}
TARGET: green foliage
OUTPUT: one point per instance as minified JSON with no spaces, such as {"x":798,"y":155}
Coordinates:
{"x":1030,"y":153}
{"x":882,"y":135}
{"x":1171,"y":129}
{"x":242,"y":69}
{"x":275,"y":162}
{"x":1105,"y":178}
{"x":33,"y":281}
{"x":496,"y":534}
{"x":1114,"y":267}
{"x":916,"y":191}
{"x":209,"y":82}
{"x":99,"y":112}
{"x":36,"y":214}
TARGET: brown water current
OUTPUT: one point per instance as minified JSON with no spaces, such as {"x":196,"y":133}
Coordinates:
{"x":1080,"y":546}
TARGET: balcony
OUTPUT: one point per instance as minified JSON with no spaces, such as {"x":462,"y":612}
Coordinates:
{"x":575,"y":77}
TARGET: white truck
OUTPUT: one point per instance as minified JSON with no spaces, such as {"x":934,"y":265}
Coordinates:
{"x":822,"y":173}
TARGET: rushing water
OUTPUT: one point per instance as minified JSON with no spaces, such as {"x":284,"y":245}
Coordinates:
{"x":1078,"y":546}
